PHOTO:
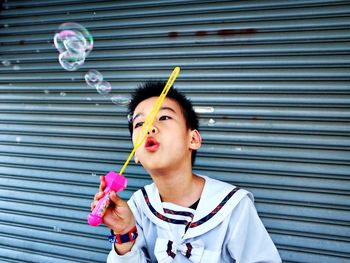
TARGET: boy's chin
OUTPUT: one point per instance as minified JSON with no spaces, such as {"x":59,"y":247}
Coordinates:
{"x":154,"y":166}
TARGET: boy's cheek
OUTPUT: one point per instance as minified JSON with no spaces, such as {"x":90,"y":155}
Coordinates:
{"x":138,"y":155}
{"x":133,"y":137}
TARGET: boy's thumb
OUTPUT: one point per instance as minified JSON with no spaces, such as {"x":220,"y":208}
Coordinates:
{"x":115,"y":198}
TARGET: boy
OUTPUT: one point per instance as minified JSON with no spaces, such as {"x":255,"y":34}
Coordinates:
{"x":181,"y":216}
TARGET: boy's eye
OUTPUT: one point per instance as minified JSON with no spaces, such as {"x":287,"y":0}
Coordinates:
{"x":164,"y":117}
{"x":138,"y":124}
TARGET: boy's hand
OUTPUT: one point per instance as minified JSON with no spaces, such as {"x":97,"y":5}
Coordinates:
{"x":118,"y":216}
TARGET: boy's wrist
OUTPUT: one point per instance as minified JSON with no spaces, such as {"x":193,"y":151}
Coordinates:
{"x":129,"y":236}
{"x":124,"y":231}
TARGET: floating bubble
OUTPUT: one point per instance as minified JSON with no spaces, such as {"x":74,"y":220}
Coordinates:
{"x":129,"y":117}
{"x":63,"y":94}
{"x":73,"y":37}
{"x":57,"y":229}
{"x":93,"y":78}
{"x":18,"y":139}
{"x":75,"y":32}
{"x":6,"y":63}
{"x":46,"y":91}
{"x":70,"y":62}
{"x":120,"y":100}
{"x":211,"y":122}
{"x":59,"y":41}
{"x":104,"y":87}
{"x":16,"y":67}
{"x":74,"y":43}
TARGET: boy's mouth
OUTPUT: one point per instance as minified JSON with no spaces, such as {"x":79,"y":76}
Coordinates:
{"x":151,"y":144}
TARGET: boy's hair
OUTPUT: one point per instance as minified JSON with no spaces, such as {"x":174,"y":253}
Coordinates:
{"x":150,"y":89}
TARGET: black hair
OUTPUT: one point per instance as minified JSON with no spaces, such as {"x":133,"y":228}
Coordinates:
{"x":150,"y":89}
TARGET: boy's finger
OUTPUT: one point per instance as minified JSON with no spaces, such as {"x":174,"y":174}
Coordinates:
{"x":93,"y":204}
{"x":115,"y":198}
{"x":102,"y":183}
{"x":98,"y":196}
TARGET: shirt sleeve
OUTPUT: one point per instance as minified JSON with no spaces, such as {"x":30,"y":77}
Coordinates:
{"x":138,"y":251}
{"x":249,"y":241}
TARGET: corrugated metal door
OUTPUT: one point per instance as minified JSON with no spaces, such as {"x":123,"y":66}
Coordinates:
{"x":270,"y":78}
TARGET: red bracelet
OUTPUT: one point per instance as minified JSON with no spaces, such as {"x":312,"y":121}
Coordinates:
{"x":123,"y":238}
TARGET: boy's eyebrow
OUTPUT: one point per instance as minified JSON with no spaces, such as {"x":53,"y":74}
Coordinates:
{"x":162,"y":108}
{"x":167,"y":108}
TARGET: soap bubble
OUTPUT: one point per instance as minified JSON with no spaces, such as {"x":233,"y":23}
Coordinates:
{"x":211,"y":122}
{"x":16,"y":67}
{"x":130,"y":117}
{"x":57,"y":229}
{"x":93,"y":78}
{"x":74,"y":43}
{"x":6,"y":63}
{"x":104,"y":87}
{"x":70,"y":62}
{"x":59,"y":38}
{"x":120,"y":100}
{"x":74,"y":37}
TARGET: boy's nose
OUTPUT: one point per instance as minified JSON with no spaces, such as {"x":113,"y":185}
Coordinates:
{"x":153,"y":130}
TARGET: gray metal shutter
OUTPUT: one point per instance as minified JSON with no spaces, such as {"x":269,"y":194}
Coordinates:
{"x":271,"y":76}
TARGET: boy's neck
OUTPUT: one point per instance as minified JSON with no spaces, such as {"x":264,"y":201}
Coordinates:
{"x":179,"y":187}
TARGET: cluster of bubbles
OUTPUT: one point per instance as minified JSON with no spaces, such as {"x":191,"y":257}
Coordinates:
{"x":95,"y":80}
{"x":74,"y":43}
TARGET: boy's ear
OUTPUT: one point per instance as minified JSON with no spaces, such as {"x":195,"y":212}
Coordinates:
{"x":136,"y":159}
{"x":196,"y":140}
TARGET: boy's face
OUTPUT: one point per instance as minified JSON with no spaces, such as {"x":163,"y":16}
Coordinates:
{"x":169,"y":143}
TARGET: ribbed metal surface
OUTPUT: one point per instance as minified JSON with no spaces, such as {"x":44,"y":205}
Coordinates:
{"x":273,"y":76}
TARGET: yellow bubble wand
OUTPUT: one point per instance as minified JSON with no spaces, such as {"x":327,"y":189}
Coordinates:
{"x":151,"y":116}
{"x":116,"y":182}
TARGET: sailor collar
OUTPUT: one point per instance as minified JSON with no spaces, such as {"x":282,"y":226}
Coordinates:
{"x":217,"y":201}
